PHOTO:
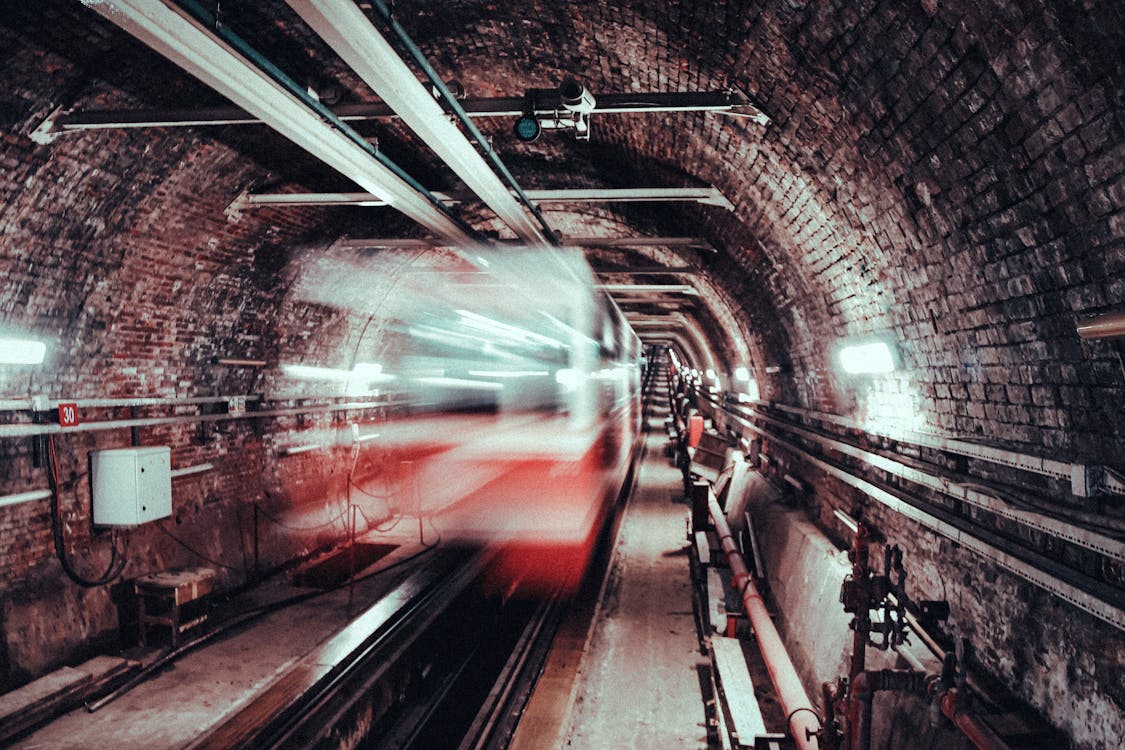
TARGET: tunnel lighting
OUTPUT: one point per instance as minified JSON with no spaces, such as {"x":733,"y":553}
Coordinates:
{"x":866,"y":359}
{"x":21,"y":351}
{"x":348,"y":31}
{"x":711,"y":374}
{"x":741,"y":374}
{"x":752,"y":392}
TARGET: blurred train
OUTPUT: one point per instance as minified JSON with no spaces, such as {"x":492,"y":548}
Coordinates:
{"x":518,"y":392}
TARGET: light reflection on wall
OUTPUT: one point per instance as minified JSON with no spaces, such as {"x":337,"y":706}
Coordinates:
{"x":891,"y":404}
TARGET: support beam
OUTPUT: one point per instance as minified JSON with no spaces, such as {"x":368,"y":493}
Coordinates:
{"x":694,"y":243}
{"x":545,"y":104}
{"x":351,"y":35}
{"x":706,"y":195}
{"x":648,"y":289}
{"x":224,"y":65}
{"x":647,"y":271}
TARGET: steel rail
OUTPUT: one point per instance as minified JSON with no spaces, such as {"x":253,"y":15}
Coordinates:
{"x":298,"y":711}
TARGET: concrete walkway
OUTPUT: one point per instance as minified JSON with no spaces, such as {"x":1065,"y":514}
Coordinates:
{"x":639,"y":684}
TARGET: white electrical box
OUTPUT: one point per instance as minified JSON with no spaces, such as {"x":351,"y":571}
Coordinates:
{"x":131,"y":486}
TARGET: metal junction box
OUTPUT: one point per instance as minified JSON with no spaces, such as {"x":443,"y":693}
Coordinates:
{"x":131,"y":486}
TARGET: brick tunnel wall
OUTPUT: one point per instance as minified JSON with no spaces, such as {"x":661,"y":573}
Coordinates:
{"x":116,"y":249}
{"x":947,"y":174}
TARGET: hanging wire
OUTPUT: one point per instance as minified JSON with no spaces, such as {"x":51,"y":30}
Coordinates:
{"x":117,"y":558}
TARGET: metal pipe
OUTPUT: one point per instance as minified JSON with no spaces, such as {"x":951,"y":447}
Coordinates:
{"x":1107,"y":326}
{"x":862,"y":689}
{"x":186,"y":33}
{"x":1025,"y":563}
{"x":27,"y":430}
{"x":384,"y":10}
{"x":784,"y":677}
{"x":31,"y":404}
{"x":952,"y":705}
{"x":348,"y":31}
{"x":24,"y":497}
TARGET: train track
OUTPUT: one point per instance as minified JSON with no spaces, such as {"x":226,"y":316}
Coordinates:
{"x":434,"y":663}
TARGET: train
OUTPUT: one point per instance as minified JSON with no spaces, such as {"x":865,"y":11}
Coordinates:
{"x":516,"y":384}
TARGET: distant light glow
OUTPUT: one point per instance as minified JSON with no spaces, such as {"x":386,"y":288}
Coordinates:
{"x":869,"y":358}
{"x":710,"y":374}
{"x":509,"y":373}
{"x":361,"y":376}
{"x":21,"y":351}
{"x":741,"y":374}
{"x":753,"y":393}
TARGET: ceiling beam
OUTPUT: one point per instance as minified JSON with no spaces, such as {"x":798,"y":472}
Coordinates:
{"x":223,"y":64}
{"x":696,"y":243}
{"x":647,"y":270}
{"x":648,"y":289}
{"x":345,"y":28}
{"x":544,"y":104}
{"x":704,"y":195}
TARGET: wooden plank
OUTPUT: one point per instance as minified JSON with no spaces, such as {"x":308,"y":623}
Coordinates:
{"x":716,"y":601}
{"x":738,"y":690}
{"x":58,"y":691}
{"x":38,"y":692}
{"x":703,"y":547}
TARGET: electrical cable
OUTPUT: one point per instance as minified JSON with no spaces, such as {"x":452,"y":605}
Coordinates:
{"x":116,"y":560}
{"x":197,"y":553}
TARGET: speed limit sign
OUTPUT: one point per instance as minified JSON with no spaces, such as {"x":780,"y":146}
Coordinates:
{"x":68,"y":415}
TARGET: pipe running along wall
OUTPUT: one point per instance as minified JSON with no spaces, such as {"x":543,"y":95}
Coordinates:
{"x":803,"y":722}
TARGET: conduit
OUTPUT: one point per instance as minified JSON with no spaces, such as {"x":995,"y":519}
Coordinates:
{"x":187,"y":34}
{"x":348,"y":31}
{"x":803,"y":721}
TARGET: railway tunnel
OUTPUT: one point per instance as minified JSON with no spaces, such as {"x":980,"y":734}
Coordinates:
{"x":872,"y":251}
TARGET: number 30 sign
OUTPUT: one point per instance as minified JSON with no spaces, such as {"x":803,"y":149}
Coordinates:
{"x":68,"y":415}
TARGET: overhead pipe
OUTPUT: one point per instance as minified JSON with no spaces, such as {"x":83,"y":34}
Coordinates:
{"x":803,"y":721}
{"x":1107,"y":326}
{"x":349,"y":32}
{"x":188,"y":35}
{"x":451,"y":101}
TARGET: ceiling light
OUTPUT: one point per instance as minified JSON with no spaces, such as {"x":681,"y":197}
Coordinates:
{"x":21,"y":351}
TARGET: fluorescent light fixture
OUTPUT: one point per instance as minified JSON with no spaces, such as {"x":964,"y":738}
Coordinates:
{"x":21,"y":351}
{"x":741,"y":374}
{"x":866,"y":359}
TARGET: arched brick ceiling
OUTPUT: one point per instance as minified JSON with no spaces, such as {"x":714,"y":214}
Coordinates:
{"x":946,"y":174}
